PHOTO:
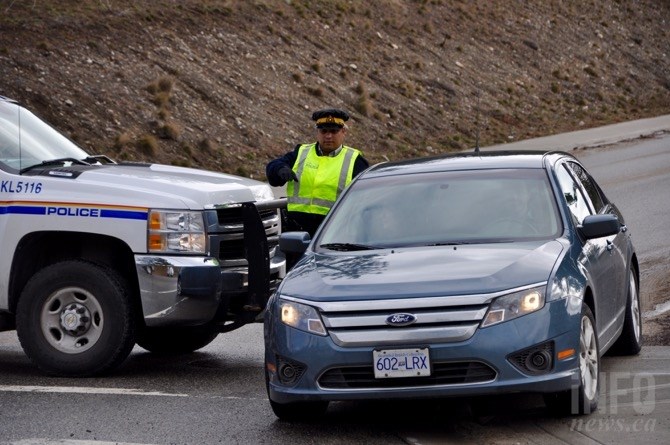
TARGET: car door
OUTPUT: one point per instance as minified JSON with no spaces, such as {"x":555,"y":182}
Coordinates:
{"x":597,"y":254}
{"x":617,"y":245}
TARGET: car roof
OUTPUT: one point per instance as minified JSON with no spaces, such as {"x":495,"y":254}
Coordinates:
{"x":466,"y":161}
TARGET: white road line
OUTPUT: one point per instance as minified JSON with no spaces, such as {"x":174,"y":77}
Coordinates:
{"x":65,"y":442}
{"x":86,"y":390}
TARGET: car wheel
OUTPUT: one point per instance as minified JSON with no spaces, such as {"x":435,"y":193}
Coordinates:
{"x":630,"y":340}
{"x":74,"y":319}
{"x":175,"y":340}
{"x":583,"y":398}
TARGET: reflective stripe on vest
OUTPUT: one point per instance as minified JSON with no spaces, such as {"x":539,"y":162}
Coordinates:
{"x":322,"y":179}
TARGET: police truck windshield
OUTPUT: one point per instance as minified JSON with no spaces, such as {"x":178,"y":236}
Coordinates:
{"x":25,"y":140}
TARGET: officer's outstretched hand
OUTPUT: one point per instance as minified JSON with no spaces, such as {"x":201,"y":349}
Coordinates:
{"x":287,"y":174}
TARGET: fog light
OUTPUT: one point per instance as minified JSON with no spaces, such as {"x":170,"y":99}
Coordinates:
{"x":535,"y":360}
{"x":289,"y":371}
{"x":538,"y":361}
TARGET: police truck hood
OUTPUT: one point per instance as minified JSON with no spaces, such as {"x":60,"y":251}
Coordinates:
{"x":163,"y":185}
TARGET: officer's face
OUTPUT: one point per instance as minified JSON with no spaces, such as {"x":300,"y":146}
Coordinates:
{"x":329,"y":139}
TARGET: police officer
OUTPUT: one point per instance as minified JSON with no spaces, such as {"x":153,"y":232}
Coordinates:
{"x":316,"y":172}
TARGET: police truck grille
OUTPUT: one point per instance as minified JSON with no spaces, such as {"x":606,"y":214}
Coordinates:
{"x":227,"y":241}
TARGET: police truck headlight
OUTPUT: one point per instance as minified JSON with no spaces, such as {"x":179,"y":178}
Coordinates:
{"x":514,"y":305}
{"x":176,"y":232}
{"x":301,"y":316}
{"x":262,"y":192}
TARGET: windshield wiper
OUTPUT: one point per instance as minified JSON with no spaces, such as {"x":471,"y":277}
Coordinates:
{"x":57,"y":161}
{"x":347,"y":247}
{"x":476,"y":241}
{"x":450,"y":243}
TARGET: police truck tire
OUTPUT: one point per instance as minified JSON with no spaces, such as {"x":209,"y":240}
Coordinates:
{"x":74,"y":319}
{"x":175,"y":341}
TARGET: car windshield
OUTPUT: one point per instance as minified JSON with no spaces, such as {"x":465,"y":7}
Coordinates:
{"x":26,"y":140}
{"x":445,"y":208}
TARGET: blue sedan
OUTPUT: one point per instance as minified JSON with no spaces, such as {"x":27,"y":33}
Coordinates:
{"x":459,"y":275}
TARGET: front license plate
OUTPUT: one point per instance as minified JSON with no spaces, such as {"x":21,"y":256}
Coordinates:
{"x":391,"y":363}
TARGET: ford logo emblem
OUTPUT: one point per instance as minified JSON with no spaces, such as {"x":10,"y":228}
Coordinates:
{"x":400,"y":319}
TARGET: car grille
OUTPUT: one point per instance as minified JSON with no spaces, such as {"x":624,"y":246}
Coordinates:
{"x":437,"y":320}
{"x":445,"y":373}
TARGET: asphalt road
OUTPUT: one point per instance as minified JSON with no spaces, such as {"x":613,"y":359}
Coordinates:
{"x":636,"y":177}
{"x":217,"y":395}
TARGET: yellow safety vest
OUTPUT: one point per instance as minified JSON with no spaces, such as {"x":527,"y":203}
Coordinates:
{"x":322,"y":179}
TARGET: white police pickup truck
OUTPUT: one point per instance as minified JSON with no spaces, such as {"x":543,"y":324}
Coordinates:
{"x":98,"y":256}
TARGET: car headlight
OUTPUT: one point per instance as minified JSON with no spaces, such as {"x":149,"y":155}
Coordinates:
{"x":176,"y":232}
{"x":514,"y":305}
{"x":301,"y":316}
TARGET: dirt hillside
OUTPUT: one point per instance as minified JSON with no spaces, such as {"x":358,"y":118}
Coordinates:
{"x":227,"y":85}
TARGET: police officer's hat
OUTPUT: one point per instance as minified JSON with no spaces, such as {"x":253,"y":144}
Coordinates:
{"x":330,"y":118}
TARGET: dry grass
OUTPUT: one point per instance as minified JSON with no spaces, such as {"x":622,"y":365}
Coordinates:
{"x":249,"y":73}
{"x":123,"y":140}
{"x":170,"y":130}
{"x":148,"y":144}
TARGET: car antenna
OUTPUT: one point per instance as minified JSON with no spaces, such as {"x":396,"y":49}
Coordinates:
{"x":477,"y":123}
{"x":18,"y":116}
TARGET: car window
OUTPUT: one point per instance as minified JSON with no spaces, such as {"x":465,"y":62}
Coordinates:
{"x":593,"y":193}
{"x":573,"y":195}
{"x":445,"y":208}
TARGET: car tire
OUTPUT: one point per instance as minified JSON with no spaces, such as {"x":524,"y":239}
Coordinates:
{"x":583,"y":398}
{"x":630,"y":340}
{"x":175,"y":341}
{"x":74,"y":319}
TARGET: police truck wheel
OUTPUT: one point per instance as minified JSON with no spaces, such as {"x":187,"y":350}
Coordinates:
{"x":74,"y":319}
{"x":174,"y":341}
{"x":583,"y":398}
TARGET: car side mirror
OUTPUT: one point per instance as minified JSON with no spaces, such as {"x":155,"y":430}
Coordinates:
{"x":294,"y":242}
{"x":598,"y":226}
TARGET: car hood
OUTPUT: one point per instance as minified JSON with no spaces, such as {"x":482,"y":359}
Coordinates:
{"x":421,"y":271}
